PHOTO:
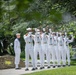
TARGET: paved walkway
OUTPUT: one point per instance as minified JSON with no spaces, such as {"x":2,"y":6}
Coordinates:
{"x":20,"y":72}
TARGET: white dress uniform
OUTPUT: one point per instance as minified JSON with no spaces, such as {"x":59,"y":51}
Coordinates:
{"x":44,"y":44}
{"x":37,"y":48}
{"x":29,"y":50}
{"x":66,"y":47}
{"x":50,"y":49}
{"x":61,"y":48}
{"x":56,"y":49}
{"x":64,"y":53}
{"x":17,"y":50}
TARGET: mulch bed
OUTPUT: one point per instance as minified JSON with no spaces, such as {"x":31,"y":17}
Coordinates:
{"x":7,"y":62}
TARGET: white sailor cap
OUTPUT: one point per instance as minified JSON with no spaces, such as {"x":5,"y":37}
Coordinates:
{"x":17,"y":34}
{"x":44,"y":29}
{"x":65,"y":33}
{"x":35,"y":29}
{"x":53,"y":32}
{"x":28,"y":29}
{"x":57,"y":32}
{"x":50,"y":30}
{"x":38,"y":30}
{"x":60,"y":33}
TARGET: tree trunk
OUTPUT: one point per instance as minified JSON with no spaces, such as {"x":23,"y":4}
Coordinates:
{"x":5,"y":46}
{"x":11,"y":50}
{"x":0,"y":49}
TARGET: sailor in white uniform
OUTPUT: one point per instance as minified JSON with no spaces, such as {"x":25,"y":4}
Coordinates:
{"x":59,"y":49}
{"x":38,"y":48}
{"x":44,"y":44}
{"x":17,"y":50}
{"x":66,"y":47}
{"x":55,"y":50}
{"x":29,"y":49}
{"x":50,"y":48}
{"x":62,"y":50}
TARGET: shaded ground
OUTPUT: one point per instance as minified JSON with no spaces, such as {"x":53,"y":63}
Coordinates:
{"x":52,"y":71}
{"x":20,"y":72}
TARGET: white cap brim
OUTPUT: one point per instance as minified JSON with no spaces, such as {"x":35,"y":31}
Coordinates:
{"x":17,"y":34}
{"x":50,"y":30}
{"x":43,"y":29}
{"x":28,"y":29}
{"x":37,"y":30}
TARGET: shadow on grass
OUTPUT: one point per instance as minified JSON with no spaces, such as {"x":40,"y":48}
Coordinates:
{"x":73,"y":62}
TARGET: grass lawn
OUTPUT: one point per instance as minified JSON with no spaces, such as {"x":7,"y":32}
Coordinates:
{"x":61,"y":71}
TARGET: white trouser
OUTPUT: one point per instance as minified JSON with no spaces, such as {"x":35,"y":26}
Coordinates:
{"x":52,"y":52}
{"x":49,"y":57}
{"x":45,"y":52}
{"x":17,"y":58}
{"x":62,"y":53}
{"x":29,"y":51}
{"x":57,"y":54}
{"x":68,"y":55}
{"x":37,"y":49}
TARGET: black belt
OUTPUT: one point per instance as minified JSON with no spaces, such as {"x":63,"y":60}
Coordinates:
{"x":61,"y":45}
{"x":45,"y":42}
{"x":37,"y":42}
{"x":50,"y":44}
{"x":54,"y":45}
{"x":29,"y":42}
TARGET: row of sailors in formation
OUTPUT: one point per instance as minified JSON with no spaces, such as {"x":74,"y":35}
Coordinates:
{"x":55,"y":46}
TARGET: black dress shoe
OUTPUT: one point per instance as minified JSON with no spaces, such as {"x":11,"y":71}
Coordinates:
{"x":48,"y":67}
{"x":69,"y":65}
{"x":33,"y":69}
{"x":17,"y":68}
{"x":53,"y":66}
{"x":59,"y":66}
{"x":41,"y":67}
{"x":26,"y":69}
{"x":36,"y":68}
{"x":64,"y":65}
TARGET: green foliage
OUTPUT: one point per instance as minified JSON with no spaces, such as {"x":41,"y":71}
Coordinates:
{"x":23,"y":54}
{"x":55,"y":16}
{"x":68,"y":5}
{"x":71,"y":52}
{"x":17,"y":15}
{"x":20,"y":27}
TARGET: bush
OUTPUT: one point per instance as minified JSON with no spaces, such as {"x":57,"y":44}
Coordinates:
{"x":23,"y":54}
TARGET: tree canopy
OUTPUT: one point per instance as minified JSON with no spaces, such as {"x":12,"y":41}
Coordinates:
{"x":17,"y":15}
